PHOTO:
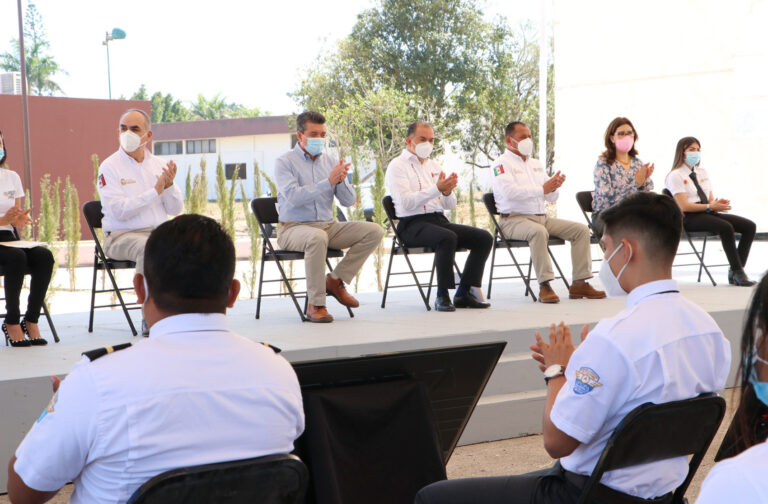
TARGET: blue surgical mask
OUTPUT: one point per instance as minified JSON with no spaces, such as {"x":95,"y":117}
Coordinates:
{"x":315,"y":145}
{"x":692,"y":158}
{"x":2,"y":153}
{"x":761,"y":387}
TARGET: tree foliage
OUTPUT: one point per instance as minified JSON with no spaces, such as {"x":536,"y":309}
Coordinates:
{"x":41,"y":67}
{"x":166,"y":108}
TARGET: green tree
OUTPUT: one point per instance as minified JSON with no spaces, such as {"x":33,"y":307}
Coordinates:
{"x":41,"y":66}
{"x":71,"y":229}
{"x":217,"y":107}
{"x":225,"y":197}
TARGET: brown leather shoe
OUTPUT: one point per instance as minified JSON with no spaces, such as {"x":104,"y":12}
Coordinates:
{"x":547,"y":295}
{"x":318,"y":314}
{"x":585,"y":291}
{"x":336,"y":289}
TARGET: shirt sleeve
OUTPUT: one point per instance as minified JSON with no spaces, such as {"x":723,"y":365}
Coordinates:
{"x":604,"y":194}
{"x":56,"y":449}
{"x":598,"y":381}
{"x":17,"y":186}
{"x":406,"y":199}
{"x":725,"y":483}
{"x":288,"y":185}
{"x":118,"y":204}
{"x":675,"y":184}
{"x":345,"y":193}
{"x":173,"y":201}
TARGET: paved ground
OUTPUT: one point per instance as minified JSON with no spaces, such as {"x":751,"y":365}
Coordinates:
{"x":513,"y":456}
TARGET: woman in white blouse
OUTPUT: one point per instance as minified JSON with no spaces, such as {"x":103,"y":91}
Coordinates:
{"x":691,"y":187}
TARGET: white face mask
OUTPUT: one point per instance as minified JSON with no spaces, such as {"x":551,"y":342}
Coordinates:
{"x":610,"y":281}
{"x":525,"y":147}
{"x":423,"y":150}
{"x":130,"y":141}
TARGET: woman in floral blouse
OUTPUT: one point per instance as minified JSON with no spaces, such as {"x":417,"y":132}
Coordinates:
{"x":618,"y":172}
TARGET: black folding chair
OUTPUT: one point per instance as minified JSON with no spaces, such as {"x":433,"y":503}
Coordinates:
{"x":265,"y":210}
{"x":273,"y":479}
{"x":45,"y":307}
{"x":93,"y":215}
{"x":399,"y":248}
{"x":654,"y":432}
{"x":690,"y":236}
{"x":584,"y":199}
{"x":499,"y":240}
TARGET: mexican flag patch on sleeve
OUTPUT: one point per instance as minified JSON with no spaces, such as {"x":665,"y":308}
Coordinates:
{"x":498,"y":170}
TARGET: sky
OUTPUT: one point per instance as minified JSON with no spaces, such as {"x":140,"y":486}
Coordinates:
{"x":252,"y":52}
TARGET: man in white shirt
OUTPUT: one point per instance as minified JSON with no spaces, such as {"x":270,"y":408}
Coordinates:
{"x":738,"y":479}
{"x":521,"y":187}
{"x":136,"y":190}
{"x":660,"y":348}
{"x":192,"y":393}
{"x":421,"y":192}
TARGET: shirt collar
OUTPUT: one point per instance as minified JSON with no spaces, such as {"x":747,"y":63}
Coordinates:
{"x":304,"y":154}
{"x":128,"y":158}
{"x":641,"y":292}
{"x":410,"y":156}
{"x":189,"y":322}
{"x":507,"y":151}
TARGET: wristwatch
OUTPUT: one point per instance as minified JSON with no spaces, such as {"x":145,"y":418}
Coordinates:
{"x":553,"y":371}
{"x":708,"y":208}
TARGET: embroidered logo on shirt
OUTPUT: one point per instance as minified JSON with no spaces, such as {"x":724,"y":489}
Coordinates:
{"x":124,"y":181}
{"x":10,"y":194}
{"x":50,"y":407}
{"x":685,"y":181}
{"x":586,"y":381}
{"x":102,"y":182}
{"x":498,"y":170}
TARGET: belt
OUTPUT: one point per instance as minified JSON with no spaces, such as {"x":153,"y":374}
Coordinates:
{"x":510,"y":215}
{"x":614,"y":496}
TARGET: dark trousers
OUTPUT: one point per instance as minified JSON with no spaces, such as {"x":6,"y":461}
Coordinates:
{"x":725,"y":225}
{"x":15,"y":262}
{"x":548,"y":486}
{"x":434,"y":230}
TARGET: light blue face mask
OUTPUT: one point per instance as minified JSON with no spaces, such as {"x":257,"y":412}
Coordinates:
{"x":692,"y":158}
{"x":315,"y":145}
{"x":2,"y":152}
{"x":761,"y":388}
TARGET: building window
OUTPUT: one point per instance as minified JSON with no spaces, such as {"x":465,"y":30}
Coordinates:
{"x":234,"y":170}
{"x":201,"y":146}
{"x":167,"y":148}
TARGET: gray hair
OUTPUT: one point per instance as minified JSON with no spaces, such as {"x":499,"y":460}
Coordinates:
{"x":147,"y":120}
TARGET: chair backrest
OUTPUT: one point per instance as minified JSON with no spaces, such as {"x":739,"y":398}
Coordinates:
{"x":92,"y":213}
{"x":389,"y":209}
{"x":667,"y":192}
{"x":654,"y":432}
{"x":274,"y":479}
{"x":265,"y":210}
{"x":490,"y":203}
{"x":584,"y":199}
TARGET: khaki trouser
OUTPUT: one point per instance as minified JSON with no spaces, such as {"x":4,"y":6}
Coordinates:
{"x":536,"y":230}
{"x":315,"y":238}
{"x":128,"y":245}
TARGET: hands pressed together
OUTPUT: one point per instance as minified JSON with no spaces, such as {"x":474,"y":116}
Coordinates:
{"x":560,"y":346}
{"x":644,"y":173}
{"x":447,"y":184}
{"x":720,"y":205}
{"x":165,"y":180}
{"x":554,"y":183}
{"x":339,"y":173}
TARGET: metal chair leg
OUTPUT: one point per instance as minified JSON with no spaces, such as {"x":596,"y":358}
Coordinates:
{"x":701,"y":260}
{"x":50,"y":322}
{"x":120,"y":298}
{"x":93,"y":294}
{"x":261,"y":283}
{"x":386,"y":279}
{"x":493,"y":263}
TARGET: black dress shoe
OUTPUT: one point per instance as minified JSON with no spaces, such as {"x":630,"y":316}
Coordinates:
{"x":740,"y":278}
{"x":469,"y":301}
{"x":443,"y":303}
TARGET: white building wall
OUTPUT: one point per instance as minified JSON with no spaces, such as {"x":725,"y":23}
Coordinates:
{"x":675,"y":68}
{"x":264,"y":149}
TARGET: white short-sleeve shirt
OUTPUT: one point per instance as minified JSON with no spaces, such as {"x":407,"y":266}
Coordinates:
{"x":660,"y":348}
{"x":192,"y":393}
{"x":679,"y":181}
{"x":10,"y":189}
{"x":518,"y":185}
{"x":738,"y":479}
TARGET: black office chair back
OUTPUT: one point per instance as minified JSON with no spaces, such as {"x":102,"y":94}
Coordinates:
{"x":92,"y":213}
{"x":667,"y":192}
{"x":274,"y":479}
{"x":654,"y":432}
{"x":490,"y":204}
{"x":389,"y":210}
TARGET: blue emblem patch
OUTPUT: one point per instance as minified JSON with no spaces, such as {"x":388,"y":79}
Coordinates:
{"x":586,"y":381}
{"x":50,"y":408}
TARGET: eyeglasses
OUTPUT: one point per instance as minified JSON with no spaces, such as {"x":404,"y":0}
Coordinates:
{"x":622,"y":134}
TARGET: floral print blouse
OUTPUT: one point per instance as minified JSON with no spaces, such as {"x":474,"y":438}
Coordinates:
{"x":613,"y":183}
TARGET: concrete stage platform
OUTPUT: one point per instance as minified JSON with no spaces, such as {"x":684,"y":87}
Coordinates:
{"x":511,"y":406}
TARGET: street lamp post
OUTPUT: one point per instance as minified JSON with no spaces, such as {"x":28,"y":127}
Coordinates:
{"x":117,"y":34}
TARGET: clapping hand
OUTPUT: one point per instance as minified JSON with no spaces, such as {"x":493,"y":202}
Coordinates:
{"x":339,"y":172}
{"x":554,"y":183}
{"x":10,"y":216}
{"x":447,"y":184}
{"x":170,"y":174}
{"x":720,"y":205}
{"x":21,"y":219}
{"x":644,"y":173}
{"x":560,"y":346}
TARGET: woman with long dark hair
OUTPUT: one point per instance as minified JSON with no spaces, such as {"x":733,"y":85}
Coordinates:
{"x":619,"y":171}
{"x":691,"y":187}
{"x":15,"y":262}
{"x":741,"y":477}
